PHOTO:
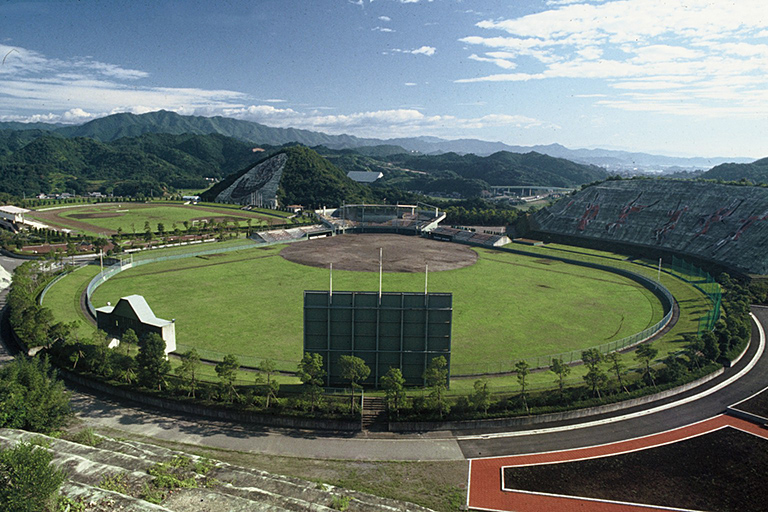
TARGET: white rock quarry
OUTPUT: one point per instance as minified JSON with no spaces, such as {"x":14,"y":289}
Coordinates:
{"x":259,"y":185}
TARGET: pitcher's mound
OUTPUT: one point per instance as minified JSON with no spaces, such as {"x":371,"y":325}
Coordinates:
{"x":401,"y":253}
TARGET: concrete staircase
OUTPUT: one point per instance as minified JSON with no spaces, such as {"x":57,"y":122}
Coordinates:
{"x":224,"y":488}
{"x":374,"y":414}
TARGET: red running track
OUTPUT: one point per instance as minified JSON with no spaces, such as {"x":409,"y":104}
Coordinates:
{"x":485,"y":475}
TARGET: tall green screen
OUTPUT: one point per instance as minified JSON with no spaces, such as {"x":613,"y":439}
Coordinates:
{"x":400,"y":330}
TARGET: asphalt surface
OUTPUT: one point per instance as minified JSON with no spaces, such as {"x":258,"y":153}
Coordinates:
{"x":103,"y":412}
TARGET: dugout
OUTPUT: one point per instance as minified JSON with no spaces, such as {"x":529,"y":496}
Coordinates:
{"x":391,"y":329}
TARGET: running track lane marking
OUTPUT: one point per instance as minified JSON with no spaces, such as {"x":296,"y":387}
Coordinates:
{"x":637,"y":414}
{"x":485,"y":491}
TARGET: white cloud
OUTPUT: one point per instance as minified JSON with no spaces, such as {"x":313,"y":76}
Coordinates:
{"x":382,"y":29}
{"x":424,"y":50}
{"x":79,"y":90}
{"x":502,"y":63}
{"x":650,"y":45}
{"x":385,"y":18}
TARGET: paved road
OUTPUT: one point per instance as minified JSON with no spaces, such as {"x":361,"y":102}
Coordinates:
{"x":101,"y":412}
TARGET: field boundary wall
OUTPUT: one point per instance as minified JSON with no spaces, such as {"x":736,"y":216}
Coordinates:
{"x":196,"y":410}
{"x":520,"y":421}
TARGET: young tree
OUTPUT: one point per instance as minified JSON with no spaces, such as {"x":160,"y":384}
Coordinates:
{"x":227,"y":372}
{"x":711,"y":346}
{"x":393,"y":384}
{"x":187,"y":370}
{"x":311,"y":374}
{"x":559,"y":368}
{"x":522,"y":370}
{"x":436,"y":379}
{"x":151,"y":362}
{"x":354,"y":370}
{"x":595,"y":377}
{"x":614,"y":358}
{"x":28,"y":480}
{"x":481,"y":398}
{"x":129,"y":338}
{"x":272,"y":387}
{"x":694,"y":349}
{"x":646,"y":353}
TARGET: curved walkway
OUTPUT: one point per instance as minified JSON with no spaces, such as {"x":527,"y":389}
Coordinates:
{"x":444,"y":445}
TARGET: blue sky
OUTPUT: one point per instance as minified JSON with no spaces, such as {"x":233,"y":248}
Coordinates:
{"x":678,"y":78}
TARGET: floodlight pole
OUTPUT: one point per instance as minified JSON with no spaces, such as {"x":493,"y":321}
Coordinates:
{"x":659,"y":277}
{"x":331,"y":285}
{"x":426,"y":281}
{"x":381,"y":250}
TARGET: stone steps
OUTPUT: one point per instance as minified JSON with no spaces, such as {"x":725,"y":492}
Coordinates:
{"x":374,"y":414}
{"x":237,"y":488}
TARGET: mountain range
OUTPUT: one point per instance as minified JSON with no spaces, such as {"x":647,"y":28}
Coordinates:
{"x":116,"y":126}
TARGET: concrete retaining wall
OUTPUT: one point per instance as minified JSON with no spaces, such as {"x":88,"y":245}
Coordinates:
{"x":197,"y":410}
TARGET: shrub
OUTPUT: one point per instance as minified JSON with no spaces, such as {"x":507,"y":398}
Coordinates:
{"x":28,"y":481}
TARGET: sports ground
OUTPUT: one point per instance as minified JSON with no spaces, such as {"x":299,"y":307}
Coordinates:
{"x":107,"y":218}
{"x":506,"y":306}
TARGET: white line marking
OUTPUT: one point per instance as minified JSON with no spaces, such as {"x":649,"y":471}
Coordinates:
{"x":638,"y":414}
{"x":655,"y":434}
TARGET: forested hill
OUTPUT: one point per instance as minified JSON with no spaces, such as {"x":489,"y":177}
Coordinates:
{"x":152,"y":164}
{"x":129,"y":125}
{"x":467,"y":175}
{"x":756,"y":172}
{"x":294,"y":175}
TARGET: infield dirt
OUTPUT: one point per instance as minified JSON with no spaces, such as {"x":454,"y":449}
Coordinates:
{"x":399,"y":253}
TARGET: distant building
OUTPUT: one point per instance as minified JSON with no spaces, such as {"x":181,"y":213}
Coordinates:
{"x":294,"y":208}
{"x":364,"y":176}
{"x":133,"y":312}
{"x":191,"y":198}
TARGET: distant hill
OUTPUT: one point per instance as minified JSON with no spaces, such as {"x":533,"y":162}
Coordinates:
{"x":756,"y":172}
{"x":115,"y":126}
{"x":151,"y":164}
{"x":466,"y":175}
{"x":294,"y":175}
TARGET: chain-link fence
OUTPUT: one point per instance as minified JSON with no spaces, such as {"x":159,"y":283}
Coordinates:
{"x":705,"y":283}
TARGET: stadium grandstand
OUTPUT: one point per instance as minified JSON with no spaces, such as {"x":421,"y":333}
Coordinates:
{"x":468,"y":237}
{"x":725,"y":225}
{"x":386,"y":218}
{"x":292,"y":234}
{"x":14,"y":219}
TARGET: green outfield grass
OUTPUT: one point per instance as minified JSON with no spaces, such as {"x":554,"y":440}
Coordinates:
{"x":130,"y":217}
{"x":63,"y":299}
{"x":506,"y":306}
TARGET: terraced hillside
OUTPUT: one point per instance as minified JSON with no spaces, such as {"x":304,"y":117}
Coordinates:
{"x":724,"y":224}
{"x":133,"y":476}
